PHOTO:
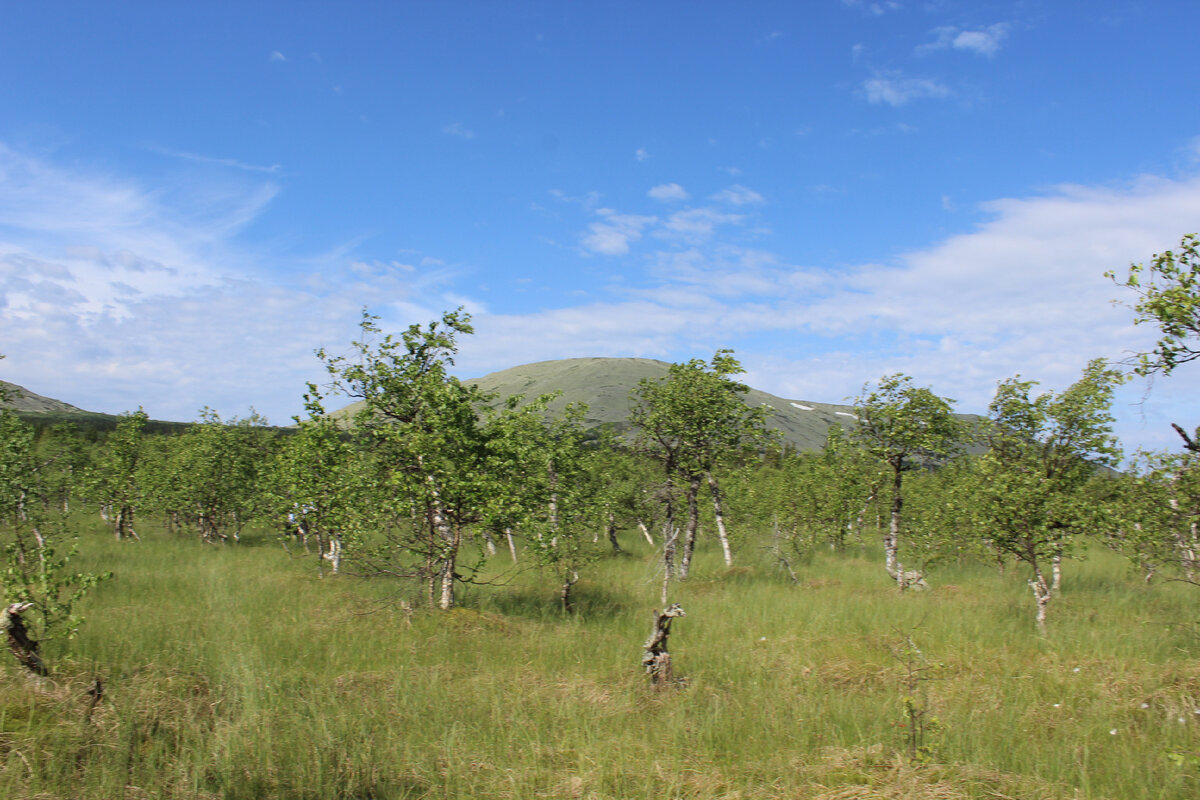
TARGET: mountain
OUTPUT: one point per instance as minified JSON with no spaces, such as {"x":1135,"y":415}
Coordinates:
{"x":605,"y":384}
{"x":21,"y":399}
{"x":45,"y":412}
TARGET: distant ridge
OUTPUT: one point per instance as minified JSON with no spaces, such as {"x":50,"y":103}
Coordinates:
{"x":605,"y":385}
{"x":21,"y":399}
{"x":45,"y":412}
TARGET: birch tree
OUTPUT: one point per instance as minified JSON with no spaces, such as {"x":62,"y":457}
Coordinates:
{"x":40,"y":590}
{"x":1043,"y":449}
{"x":903,"y":427}
{"x":1159,"y":512}
{"x":429,"y":442}
{"x":319,"y":482}
{"x":212,"y":479}
{"x":115,"y":476}
{"x":1168,"y":296}
{"x":691,"y":421}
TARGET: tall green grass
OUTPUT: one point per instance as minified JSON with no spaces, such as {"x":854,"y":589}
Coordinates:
{"x":239,"y":672}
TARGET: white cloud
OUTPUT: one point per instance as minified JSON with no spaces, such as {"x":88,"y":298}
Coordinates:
{"x":984,"y":42}
{"x":459,"y":130}
{"x":696,"y":224}
{"x":217,"y":161}
{"x":641,"y":154}
{"x":876,"y":8}
{"x":114,"y":296}
{"x":668,"y":192}
{"x":613,"y":236}
{"x":897,"y":90}
{"x":277,"y":56}
{"x":738,"y":195}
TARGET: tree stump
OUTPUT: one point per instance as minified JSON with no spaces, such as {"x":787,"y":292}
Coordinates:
{"x":24,"y":648}
{"x":656,"y":660}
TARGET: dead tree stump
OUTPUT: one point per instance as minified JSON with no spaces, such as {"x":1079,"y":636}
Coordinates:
{"x":24,"y":648}
{"x":655,"y":658}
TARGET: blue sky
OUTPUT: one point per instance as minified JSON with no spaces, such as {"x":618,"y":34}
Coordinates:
{"x":193,"y":197}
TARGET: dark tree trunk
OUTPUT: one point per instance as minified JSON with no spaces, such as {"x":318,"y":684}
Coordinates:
{"x":19,"y":643}
{"x":656,"y":660}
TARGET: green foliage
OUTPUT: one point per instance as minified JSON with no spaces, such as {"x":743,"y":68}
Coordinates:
{"x":1042,"y":452}
{"x":37,"y":543}
{"x":692,"y":421}
{"x":114,"y":480}
{"x":694,"y":418}
{"x":1158,"y":507}
{"x":1168,"y":290}
{"x":209,"y":478}
{"x":435,"y":455}
{"x":323,"y":484}
{"x":920,"y":729}
{"x":903,"y":427}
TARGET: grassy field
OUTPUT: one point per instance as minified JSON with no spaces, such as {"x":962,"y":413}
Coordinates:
{"x":237,"y":672}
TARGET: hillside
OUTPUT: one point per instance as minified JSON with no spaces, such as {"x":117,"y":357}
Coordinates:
{"x":605,"y":384}
{"x":45,"y":412}
{"x":21,"y":399}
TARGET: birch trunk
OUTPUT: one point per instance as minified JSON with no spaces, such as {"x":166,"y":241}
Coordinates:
{"x":449,"y":541}
{"x":612,"y":534}
{"x":1042,"y":595}
{"x":670,"y":535}
{"x":645,"y":532}
{"x":722,"y":535}
{"x":693,"y":522}
{"x":569,"y":580}
{"x":446,"y":601}
{"x":1056,"y":571}
{"x":512,"y":543}
{"x":334,"y":554}
{"x":892,"y":538}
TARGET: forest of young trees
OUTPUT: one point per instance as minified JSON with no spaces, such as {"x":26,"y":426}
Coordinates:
{"x":431,"y":481}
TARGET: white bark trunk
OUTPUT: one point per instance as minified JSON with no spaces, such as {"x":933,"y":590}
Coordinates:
{"x":891,"y":539}
{"x":334,"y":554}
{"x":646,"y":532}
{"x":693,"y":523}
{"x":1041,"y":595}
{"x":722,"y":534}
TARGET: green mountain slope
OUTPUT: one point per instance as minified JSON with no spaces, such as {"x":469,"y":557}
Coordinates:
{"x":44,"y":412}
{"x":605,"y":384}
{"x":21,"y":399}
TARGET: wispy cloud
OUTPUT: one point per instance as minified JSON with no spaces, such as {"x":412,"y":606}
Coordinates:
{"x":233,"y":163}
{"x":738,"y":195}
{"x":641,"y":154}
{"x":668,"y":193}
{"x":613,"y":236}
{"x":459,"y":130}
{"x":114,"y":295}
{"x":277,"y":56}
{"x":696,"y":224}
{"x":1022,"y":293}
{"x":896,"y":90}
{"x":984,"y":42}
{"x":875,"y":8}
